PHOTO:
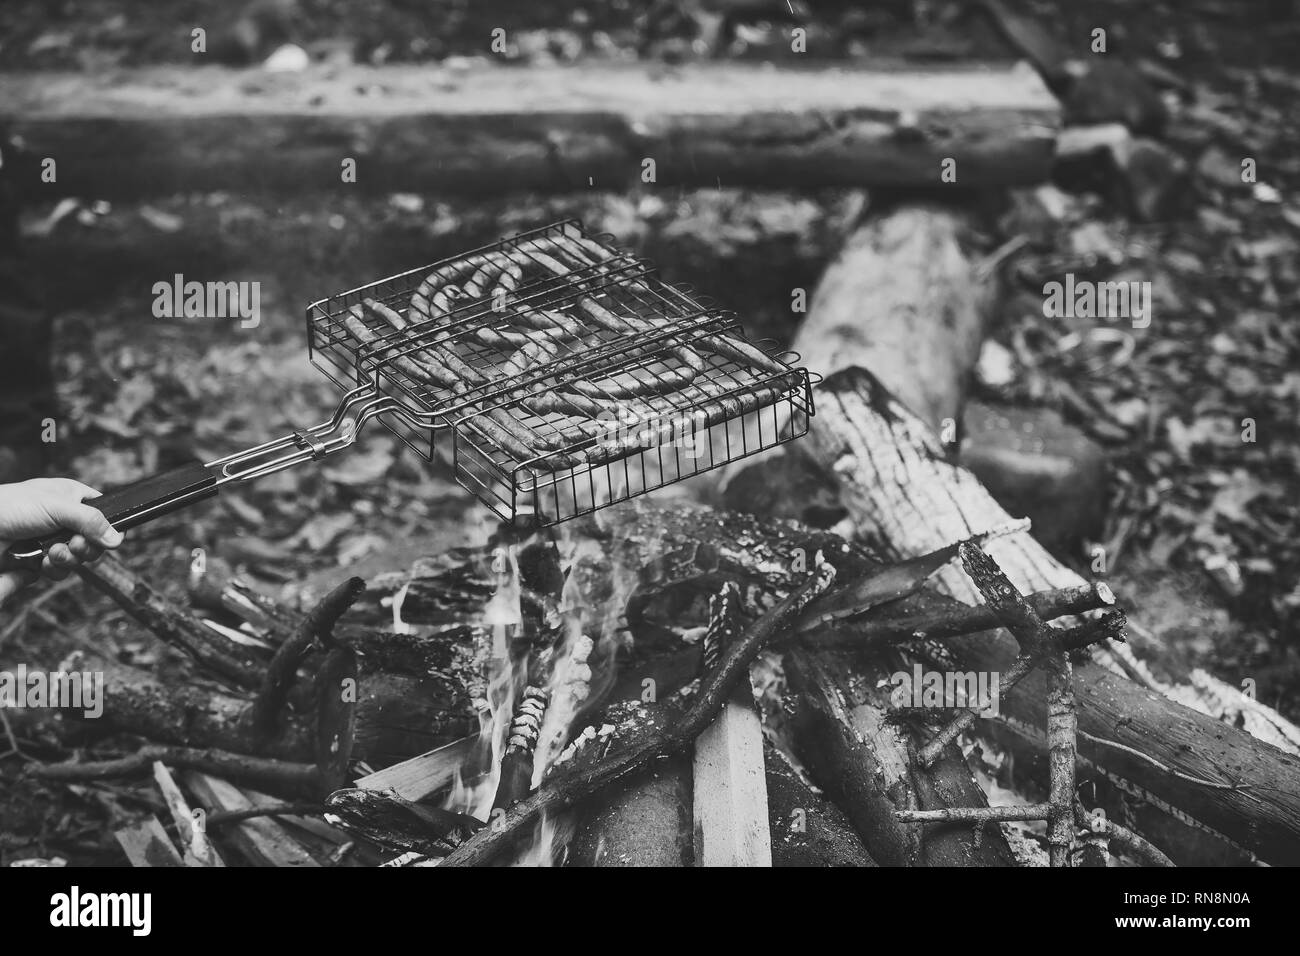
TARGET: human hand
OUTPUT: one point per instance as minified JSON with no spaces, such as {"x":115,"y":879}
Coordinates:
{"x":46,"y":506}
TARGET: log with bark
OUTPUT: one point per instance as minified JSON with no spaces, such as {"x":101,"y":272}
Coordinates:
{"x":153,"y":132}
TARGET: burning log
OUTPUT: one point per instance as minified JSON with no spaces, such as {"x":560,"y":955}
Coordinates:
{"x":806,"y":828}
{"x":399,"y":824}
{"x":521,"y":746}
{"x":647,"y":822}
{"x":567,"y":788}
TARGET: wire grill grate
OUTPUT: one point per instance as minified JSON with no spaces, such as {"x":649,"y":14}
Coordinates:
{"x":563,"y":371}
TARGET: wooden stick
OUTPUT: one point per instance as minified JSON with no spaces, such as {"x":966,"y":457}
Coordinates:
{"x":316,"y":628}
{"x":1140,"y":846}
{"x":281,"y":774}
{"x":1036,"y":641}
{"x":883,"y":626}
{"x":1034,"y":811}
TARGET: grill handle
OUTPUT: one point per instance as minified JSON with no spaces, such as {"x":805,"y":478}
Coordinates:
{"x":125,"y":507}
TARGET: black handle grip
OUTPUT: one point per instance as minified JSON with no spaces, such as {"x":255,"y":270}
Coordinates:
{"x":125,"y":507}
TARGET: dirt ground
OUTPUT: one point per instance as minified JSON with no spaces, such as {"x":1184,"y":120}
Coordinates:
{"x":1188,"y":498}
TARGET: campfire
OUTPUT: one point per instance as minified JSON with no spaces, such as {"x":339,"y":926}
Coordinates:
{"x":690,"y":677}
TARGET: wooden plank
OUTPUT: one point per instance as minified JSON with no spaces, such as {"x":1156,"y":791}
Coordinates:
{"x":262,"y":840}
{"x":198,"y":851}
{"x":416,"y":778}
{"x":730,"y":788}
{"x":487,"y":129}
{"x":146,"y":844}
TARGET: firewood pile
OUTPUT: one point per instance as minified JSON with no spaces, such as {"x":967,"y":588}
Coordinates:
{"x":714,"y":681}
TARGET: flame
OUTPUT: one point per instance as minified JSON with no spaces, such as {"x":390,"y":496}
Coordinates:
{"x":590,"y":633}
{"x":505,"y":682}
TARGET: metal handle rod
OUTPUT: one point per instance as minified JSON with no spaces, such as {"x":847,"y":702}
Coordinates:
{"x":354,"y":410}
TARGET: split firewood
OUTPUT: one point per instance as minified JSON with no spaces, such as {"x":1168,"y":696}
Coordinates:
{"x":422,"y":775}
{"x":146,"y":844}
{"x":197,"y":849}
{"x":263,"y":841}
{"x":213,"y":586}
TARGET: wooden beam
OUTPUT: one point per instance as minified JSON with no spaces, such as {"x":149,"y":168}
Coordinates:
{"x":729,"y":795}
{"x":487,"y":129}
{"x":729,"y":789}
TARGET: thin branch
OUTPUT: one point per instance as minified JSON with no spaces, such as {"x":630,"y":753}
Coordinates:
{"x":312,"y":809}
{"x":1139,"y":846}
{"x":222,"y":763}
{"x":1039,"y":646}
{"x":953,"y":622}
{"x":1109,"y":627}
{"x":170,"y":623}
{"x":1033,"y":811}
